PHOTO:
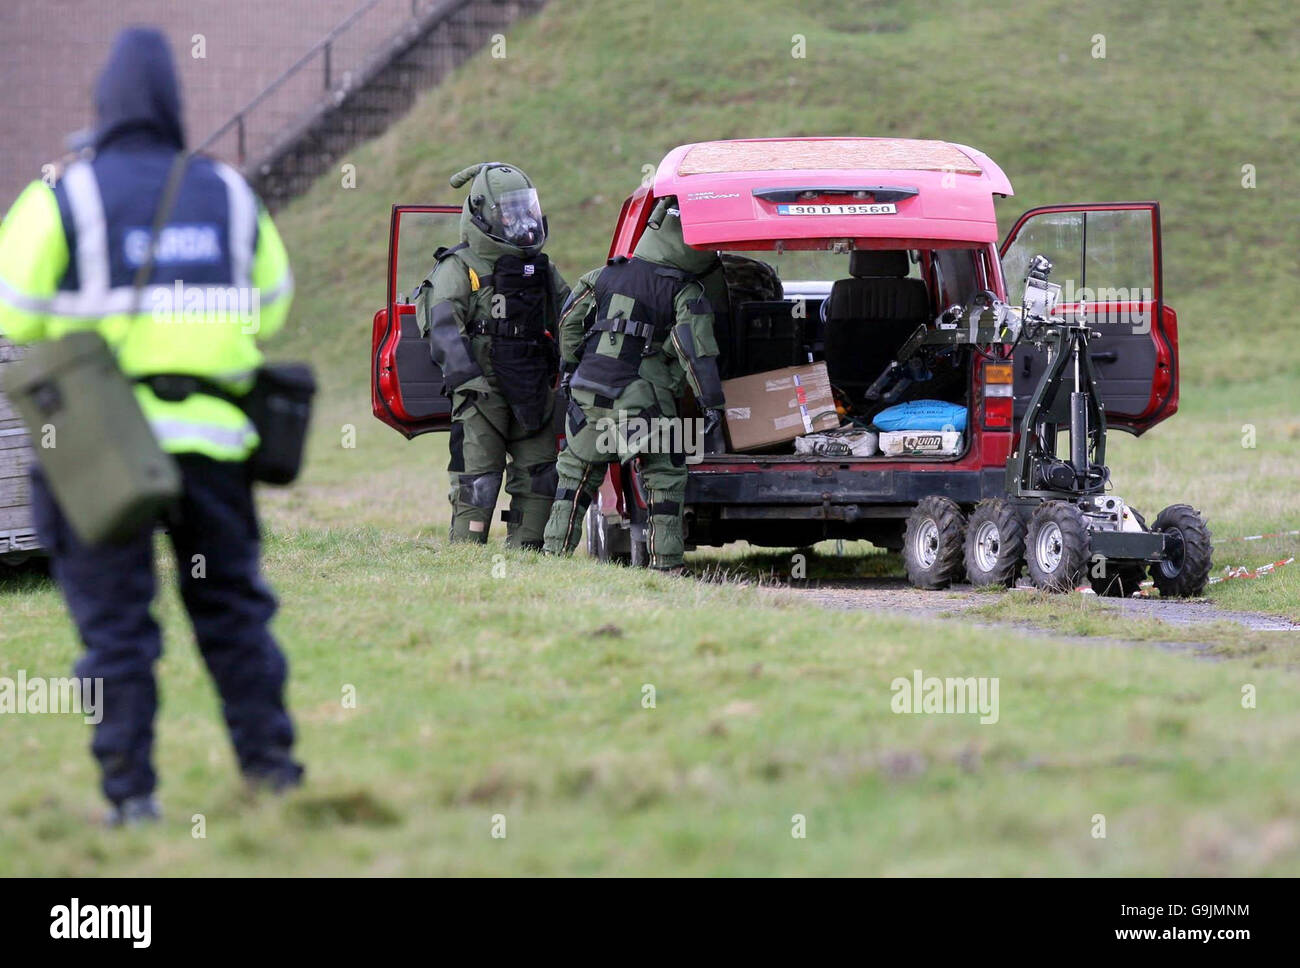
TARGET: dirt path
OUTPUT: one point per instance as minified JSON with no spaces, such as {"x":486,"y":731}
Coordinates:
{"x":895,"y":595}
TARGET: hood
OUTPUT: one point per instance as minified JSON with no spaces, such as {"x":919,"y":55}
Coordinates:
{"x":666,"y":246}
{"x":137,"y":92}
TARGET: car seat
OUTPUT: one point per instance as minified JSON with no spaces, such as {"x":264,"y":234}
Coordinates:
{"x":870,"y":316}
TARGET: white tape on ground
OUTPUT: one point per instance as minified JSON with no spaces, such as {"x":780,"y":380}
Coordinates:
{"x":1263,"y":537}
{"x":1239,"y":571}
{"x":1243,"y":572}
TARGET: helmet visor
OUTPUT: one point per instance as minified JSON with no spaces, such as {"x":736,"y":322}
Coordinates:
{"x":520,"y":217}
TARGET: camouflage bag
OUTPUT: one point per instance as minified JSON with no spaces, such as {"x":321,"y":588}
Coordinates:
{"x":750,"y":280}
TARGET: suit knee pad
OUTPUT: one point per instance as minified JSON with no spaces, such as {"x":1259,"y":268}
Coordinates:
{"x":479,"y":490}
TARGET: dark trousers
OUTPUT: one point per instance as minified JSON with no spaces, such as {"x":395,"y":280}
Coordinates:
{"x":109,"y":590}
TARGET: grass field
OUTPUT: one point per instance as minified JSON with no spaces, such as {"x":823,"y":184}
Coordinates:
{"x":490,"y":683}
{"x":493,"y":685}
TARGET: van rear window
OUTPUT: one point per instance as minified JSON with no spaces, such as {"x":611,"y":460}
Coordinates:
{"x":953,"y":278}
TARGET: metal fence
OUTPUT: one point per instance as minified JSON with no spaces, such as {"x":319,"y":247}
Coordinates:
{"x":250,"y":69}
{"x":324,"y":73}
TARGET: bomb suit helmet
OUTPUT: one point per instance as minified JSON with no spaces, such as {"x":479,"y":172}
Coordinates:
{"x":501,"y":214}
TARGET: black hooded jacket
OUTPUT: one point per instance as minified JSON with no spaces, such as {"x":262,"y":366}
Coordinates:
{"x":137,"y":98}
{"x":137,"y":137}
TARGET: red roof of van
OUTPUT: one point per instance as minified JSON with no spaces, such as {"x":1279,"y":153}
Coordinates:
{"x":879,"y":192}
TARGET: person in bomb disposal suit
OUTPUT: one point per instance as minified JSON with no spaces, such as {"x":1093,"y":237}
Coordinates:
{"x":491,"y":308}
{"x":69,"y":255}
{"x":634,"y":333}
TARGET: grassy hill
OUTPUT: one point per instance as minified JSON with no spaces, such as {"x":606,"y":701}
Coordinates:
{"x":591,"y":91}
{"x":492,"y":684}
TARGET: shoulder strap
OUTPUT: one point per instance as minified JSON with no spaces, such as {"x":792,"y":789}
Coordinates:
{"x":443,"y":251}
{"x":170,"y":189}
{"x":476,"y":282}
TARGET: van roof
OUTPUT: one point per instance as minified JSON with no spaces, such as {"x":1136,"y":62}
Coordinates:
{"x":878,"y":192}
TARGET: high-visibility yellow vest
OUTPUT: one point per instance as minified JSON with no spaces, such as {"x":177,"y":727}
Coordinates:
{"x":238,"y":289}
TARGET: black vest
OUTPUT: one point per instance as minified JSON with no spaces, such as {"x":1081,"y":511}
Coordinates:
{"x":652,"y":287}
{"x":619,"y":340}
{"x":525,"y":286}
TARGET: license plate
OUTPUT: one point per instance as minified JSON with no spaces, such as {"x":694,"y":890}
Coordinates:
{"x":882,"y":208}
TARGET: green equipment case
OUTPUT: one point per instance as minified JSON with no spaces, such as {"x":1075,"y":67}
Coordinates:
{"x":91,"y":438}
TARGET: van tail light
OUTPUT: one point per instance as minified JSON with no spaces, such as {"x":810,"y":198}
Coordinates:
{"x":999,"y":396}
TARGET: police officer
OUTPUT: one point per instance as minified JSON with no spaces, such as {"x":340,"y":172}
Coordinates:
{"x":491,"y":308}
{"x":635,"y":332}
{"x":68,"y":257}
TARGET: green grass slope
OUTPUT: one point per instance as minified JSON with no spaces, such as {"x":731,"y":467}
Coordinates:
{"x":441,"y":692}
{"x":592,"y":91}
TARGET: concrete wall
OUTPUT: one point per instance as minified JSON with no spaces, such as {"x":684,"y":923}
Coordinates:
{"x":51,"y":51}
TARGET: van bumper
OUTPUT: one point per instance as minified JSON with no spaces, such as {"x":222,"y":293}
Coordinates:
{"x":835,"y":493}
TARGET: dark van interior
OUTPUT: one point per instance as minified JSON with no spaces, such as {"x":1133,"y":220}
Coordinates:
{"x":857,"y":329}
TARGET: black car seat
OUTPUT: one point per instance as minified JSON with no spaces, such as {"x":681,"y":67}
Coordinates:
{"x":870,"y":316}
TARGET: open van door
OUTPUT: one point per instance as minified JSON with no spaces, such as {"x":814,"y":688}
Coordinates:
{"x":1106,"y":259}
{"x":406,"y":386}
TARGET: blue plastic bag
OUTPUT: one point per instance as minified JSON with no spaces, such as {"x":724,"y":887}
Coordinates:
{"x":922,"y":415}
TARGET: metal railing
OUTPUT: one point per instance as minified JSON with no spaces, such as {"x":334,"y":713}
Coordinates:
{"x":348,"y":50}
{"x":239,"y":120}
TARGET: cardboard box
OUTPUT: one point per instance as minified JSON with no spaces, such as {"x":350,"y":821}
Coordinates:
{"x":770,"y":408}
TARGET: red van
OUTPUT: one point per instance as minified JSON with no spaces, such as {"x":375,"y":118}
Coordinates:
{"x":869,"y":239}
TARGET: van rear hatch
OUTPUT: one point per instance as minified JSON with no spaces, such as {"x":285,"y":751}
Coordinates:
{"x":805,"y":192}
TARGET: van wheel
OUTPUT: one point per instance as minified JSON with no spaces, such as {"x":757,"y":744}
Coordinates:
{"x":606,"y":542}
{"x":1187,"y":571}
{"x":995,"y":544}
{"x":932,"y":543}
{"x":1058,"y":547}
{"x":1120,"y":580}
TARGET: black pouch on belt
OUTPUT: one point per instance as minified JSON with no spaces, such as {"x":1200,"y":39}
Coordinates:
{"x":279,"y":405}
{"x":524,"y":372}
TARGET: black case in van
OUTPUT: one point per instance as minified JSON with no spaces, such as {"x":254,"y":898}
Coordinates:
{"x":765,"y":336}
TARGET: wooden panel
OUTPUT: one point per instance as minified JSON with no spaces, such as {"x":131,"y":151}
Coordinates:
{"x":15,"y":456}
{"x":13,"y":439}
{"x":14,"y":492}
{"x":15,"y":519}
{"x":8,"y":418}
{"x":14,"y":463}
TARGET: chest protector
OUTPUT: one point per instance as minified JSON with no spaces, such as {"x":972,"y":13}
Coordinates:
{"x":525,"y":288}
{"x":524,"y":358}
{"x":634,"y":314}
